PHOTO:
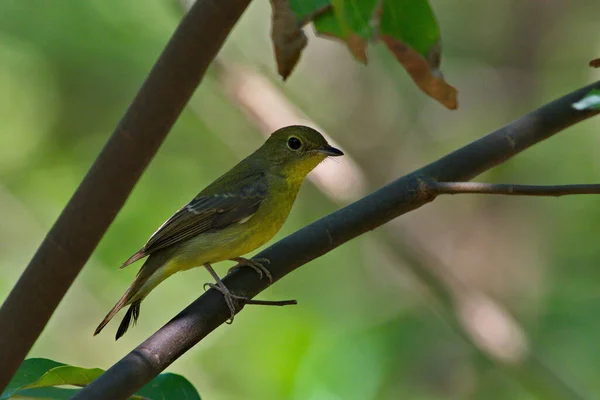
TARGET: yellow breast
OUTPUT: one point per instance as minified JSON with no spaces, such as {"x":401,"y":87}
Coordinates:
{"x":242,"y":238}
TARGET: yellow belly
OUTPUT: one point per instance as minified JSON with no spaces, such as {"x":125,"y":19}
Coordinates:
{"x":237,"y":239}
{"x":226,"y":244}
{"x":233,"y":241}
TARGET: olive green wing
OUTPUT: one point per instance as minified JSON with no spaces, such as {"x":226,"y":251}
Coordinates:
{"x":207,"y":213}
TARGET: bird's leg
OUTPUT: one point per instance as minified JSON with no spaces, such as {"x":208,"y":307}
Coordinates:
{"x":220,"y":286}
{"x":256,"y":264}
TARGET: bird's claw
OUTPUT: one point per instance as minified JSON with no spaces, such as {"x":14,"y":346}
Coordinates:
{"x":256,"y":264}
{"x":229,"y":298}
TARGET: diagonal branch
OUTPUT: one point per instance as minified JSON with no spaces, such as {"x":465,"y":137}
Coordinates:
{"x":109,"y":181}
{"x":438,"y":188}
{"x":453,"y":300}
{"x":399,"y":197}
{"x":269,"y":109}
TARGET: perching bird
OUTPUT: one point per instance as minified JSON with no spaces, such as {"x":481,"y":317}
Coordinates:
{"x":237,"y":213}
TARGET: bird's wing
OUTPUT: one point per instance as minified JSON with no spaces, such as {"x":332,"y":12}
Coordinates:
{"x":207,"y":212}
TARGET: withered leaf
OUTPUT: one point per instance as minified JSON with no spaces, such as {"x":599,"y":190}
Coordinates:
{"x":288,"y":37}
{"x":424,"y":71}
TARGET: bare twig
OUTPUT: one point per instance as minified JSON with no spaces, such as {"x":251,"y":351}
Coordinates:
{"x":399,"y":197}
{"x":437,"y":188}
{"x":271,"y":302}
{"x":109,"y":181}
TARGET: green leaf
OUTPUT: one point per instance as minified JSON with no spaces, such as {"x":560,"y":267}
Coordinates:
{"x":346,"y":22}
{"x":412,"y":22}
{"x":407,"y":27}
{"x":66,"y":375}
{"x":169,"y":386}
{"x":37,"y":378}
{"x":30,"y":371}
{"x":590,"y":101}
{"x":46,"y":393}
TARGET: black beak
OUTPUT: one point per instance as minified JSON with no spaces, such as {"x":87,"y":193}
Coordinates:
{"x":330,"y":151}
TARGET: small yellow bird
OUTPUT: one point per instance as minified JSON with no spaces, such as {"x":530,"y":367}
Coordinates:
{"x":237,"y":213}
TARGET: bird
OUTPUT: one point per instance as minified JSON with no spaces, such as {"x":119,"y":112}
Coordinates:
{"x":236,"y":214}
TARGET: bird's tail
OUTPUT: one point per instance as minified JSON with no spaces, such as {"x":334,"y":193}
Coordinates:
{"x":123,"y":301}
{"x":133,"y":311}
{"x":156,"y":269}
{"x":133,"y":296}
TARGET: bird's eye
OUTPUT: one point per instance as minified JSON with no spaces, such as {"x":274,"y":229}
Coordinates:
{"x":294,"y":143}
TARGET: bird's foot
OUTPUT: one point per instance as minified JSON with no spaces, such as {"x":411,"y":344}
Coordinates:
{"x":256,"y":264}
{"x":230,"y":298}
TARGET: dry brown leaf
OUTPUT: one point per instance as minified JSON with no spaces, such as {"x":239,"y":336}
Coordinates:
{"x":288,"y":37}
{"x":424,"y":71}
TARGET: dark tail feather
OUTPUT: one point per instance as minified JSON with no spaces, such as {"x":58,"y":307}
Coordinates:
{"x":131,"y":296}
{"x":120,"y":304}
{"x":133,"y":311}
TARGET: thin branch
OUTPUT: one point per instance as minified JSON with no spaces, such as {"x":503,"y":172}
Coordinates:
{"x":399,"y":197}
{"x":109,"y":181}
{"x":437,"y":188}
{"x":279,"y":303}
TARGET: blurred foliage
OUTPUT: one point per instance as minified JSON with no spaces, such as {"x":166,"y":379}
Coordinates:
{"x":40,"y":378}
{"x":363,"y":328}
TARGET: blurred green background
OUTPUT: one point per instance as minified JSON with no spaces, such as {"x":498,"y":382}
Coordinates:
{"x":365,"y":327}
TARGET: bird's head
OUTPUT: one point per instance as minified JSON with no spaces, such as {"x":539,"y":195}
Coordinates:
{"x":296,"y":150}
